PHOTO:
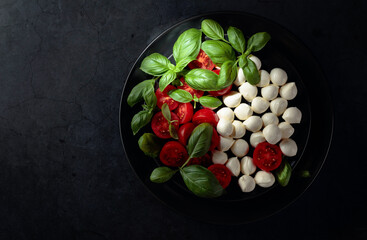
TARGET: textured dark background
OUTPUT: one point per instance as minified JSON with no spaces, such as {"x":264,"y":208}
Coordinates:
{"x":63,"y":174}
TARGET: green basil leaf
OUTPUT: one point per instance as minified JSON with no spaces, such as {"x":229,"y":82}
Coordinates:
{"x":304,"y":174}
{"x":171,"y":67}
{"x":218,"y":51}
{"x":201,"y":181}
{"x":242,"y":61}
{"x":211,"y":102}
{"x":150,"y":144}
{"x":183,"y":63}
{"x":166,"y":79}
{"x":187,"y":45}
{"x":166,"y":112}
{"x":172,"y":131}
{"x":212,"y":29}
{"x":227,"y":74}
{"x":177,"y":82}
{"x":140,"y":119}
{"x":283,"y":173}
{"x":258,"y":41}
{"x":150,"y":98}
{"x":200,"y":140}
{"x":236,"y":38}
{"x":155,"y":64}
{"x":136,"y":94}
{"x":180,"y":95}
{"x":162,"y":174}
{"x":251,"y":73}
{"x":202,"y":79}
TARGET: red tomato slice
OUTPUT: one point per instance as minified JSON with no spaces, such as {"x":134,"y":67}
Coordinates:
{"x":160,"y":125}
{"x":222,"y":173}
{"x":202,"y":61}
{"x":185,"y":132}
{"x":173,"y":154}
{"x":189,"y":89}
{"x":204,"y":161}
{"x":215,"y":140}
{"x":222,"y":91}
{"x":267,"y":156}
{"x":205,"y":115}
{"x":162,"y":98}
{"x":184,"y":112}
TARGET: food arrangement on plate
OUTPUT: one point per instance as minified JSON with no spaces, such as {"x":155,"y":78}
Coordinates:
{"x":201,"y":109}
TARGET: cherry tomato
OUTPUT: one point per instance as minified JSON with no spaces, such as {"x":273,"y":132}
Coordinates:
{"x":205,"y":115}
{"x":189,"y":89}
{"x":184,"y":112}
{"x":160,"y":125}
{"x":222,"y":173}
{"x":215,"y":140}
{"x":204,"y":161}
{"x":173,"y":154}
{"x":202,"y":61}
{"x":267,"y":156}
{"x":185,"y":132}
{"x":162,"y":98}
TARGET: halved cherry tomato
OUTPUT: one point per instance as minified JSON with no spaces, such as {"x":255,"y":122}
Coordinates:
{"x":185,"y":132}
{"x":189,"y":89}
{"x":160,"y":125}
{"x":215,"y":140}
{"x":222,"y":173}
{"x":222,"y":91}
{"x":267,"y":156}
{"x":184,"y":112}
{"x":205,"y":115}
{"x":162,"y":98}
{"x":173,"y":154}
{"x":202,"y":61}
{"x":204,"y":161}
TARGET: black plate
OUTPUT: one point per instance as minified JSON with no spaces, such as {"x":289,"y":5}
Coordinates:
{"x":285,"y":51}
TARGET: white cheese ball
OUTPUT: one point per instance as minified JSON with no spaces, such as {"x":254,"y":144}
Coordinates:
{"x":246,"y":183}
{"x":259,"y":105}
{"x":248,"y":91}
{"x":224,"y":127}
{"x":247,"y":165}
{"x":253,"y":123}
{"x":232,"y":99}
{"x":219,"y":157}
{"x":270,"y":92}
{"x":241,"y":79}
{"x":233,"y":165}
{"x":256,"y":60}
{"x":243,"y":111}
{"x":240,"y":148}
{"x":269,"y":118}
{"x":256,"y":138}
{"x":272,"y":133}
{"x":278,"y":76}
{"x":292,"y":115}
{"x":225,"y":143}
{"x":264,"y":179}
{"x":286,"y":129}
{"x":264,"y":79}
{"x":278,"y":106}
{"x":226,"y":113}
{"x":239,"y":130}
{"x":288,"y":147}
{"x":288,"y":91}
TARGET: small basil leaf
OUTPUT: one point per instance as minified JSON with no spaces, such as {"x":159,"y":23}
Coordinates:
{"x":202,"y":79}
{"x":236,"y":38}
{"x":150,"y":144}
{"x":251,"y":73}
{"x":166,"y":112}
{"x":304,"y":174}
{"x":180,"y":95}
{"x":242,"y":61}
{"x":199,"y":141}
{"x":155,"y":64}
{"x":283,"y":173}
{"x":183,"y":63}
{"x":149,"y":97}
{"x":227,"y":74}
{"x":136,"y":94}
{"x":211,"y":102}
{"x":177,"y":82}
{"x":187,"y":45}
{"x":140,"y":119}
{"x":172,"y":131}
{"x":201,"y":181}
{"x":166,"y":79}
{"x":162,"y":174}
{"x":258,"y":41}
{"x":212,"y":29}
{"x":218,"y":51}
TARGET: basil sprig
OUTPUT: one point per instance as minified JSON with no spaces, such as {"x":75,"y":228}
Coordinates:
{"x":283,"y":173}
{"x":167,"y":115}
{"x":183,"y":96}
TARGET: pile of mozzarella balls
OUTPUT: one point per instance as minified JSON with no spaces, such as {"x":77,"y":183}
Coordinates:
{"x":271,"y":93}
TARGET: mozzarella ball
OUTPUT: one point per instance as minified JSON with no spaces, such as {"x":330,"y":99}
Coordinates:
{"x":288,"y":147}
{"x":269,"y":118}
{"x":224,"y":127}
{"x":292,"y":115}
{"x":246,"y":183}
{"x":278,"y":76}
{"x":243,"y":111}
{"x":264,"y":79}
{"x":232,"y":99}
{"x":272,"y":133}
{"x":288,"y":91}
{"x":234,"y":166}
{"x":225,"y":143}
{"x":247,"y":165}
{"x":219,"y":157}
{"x":240,"y":148}
{"x":256,"y":138}
{"x":257,"y":61}
{"x":253,"y":123}
{"x":286,"y":129}
{"x":239,"y":130}
{"x":241,"y":79}
{"x":226,"y":113}
{"x":264,"y":179}
{"x":270,"y":92}
{"x":248,"y":91}
{"x":259,"y":105}
{"x":278,"y":106}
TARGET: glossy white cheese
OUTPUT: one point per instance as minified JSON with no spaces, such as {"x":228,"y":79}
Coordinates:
{"x":240,"y":148}
{"x":219,"y":157}
{"x":270,"y":92}
{"x":272,"y":133}
{"x":247,"y":165}
{"x":246,"y":183}
{"x":233,"y":165}
{"x":226,"y":113}
{"x":278,"y":106}
{"x":243,"y":111}
{"x":286,"y":129}
{"x":256,"y":60}
{"x":239,"y":130}
{"x":253,"y":123}
{"x":278,"y":76}
{"x":225,"y":143}
{"x":288,"y":147}
{"x":288,"y":91}
{"x":248,"y":91}
{"x":264,"y":79}
{"x":264,"y":179}
{"x":256,"y":138}
{"x":224,"y":127}
{"x":269,"y":118}
{"x":241,"y":79}
{"x":292,"y":115}
{"x":259,"y":105}
{"x":232,"y":99}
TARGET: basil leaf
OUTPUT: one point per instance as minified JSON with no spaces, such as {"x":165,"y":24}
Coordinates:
{"x":212,"y":29}
{"x":166,"y":112}
{"x":236,"y":38}
{"x":183,"y":63}
{"x":202,"y":79}
{"x":180,"y":95}
{"x":150,"y":98}
{"x":172,"y":131}
{"x":304,"y":174}
{"x":242,"y":61}
{"x":227,"y":74}
{"x":150,"y":144}
{"x":140,"y":119}
{"x":166,"y":79}
{"x":211,"y":102}
{"x":218,"y":51}
{"x":251,"y":73}
{"x":136,"y":94}
{"x":199,"y":141}
{"x":258,"y":41}
{"x":201,"y":181}
{"x":177,"y":82}
{"x":187,"y":45}
{"x":283,"y":173}
{"x":162,"y":174}
{"x":155,"y":64}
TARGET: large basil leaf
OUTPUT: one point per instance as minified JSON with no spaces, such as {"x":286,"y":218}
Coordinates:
{"x":218,"y":51}
{"x":155,"y":64}
{"x":202,"y":79}
{"x":236,"y":38}
{"x":227,"y":74}
{"x":212,"y":29}
{"x":162,"y":174}
{"x":258,"y":41}
{"x":166,"y":79}
{"x":251,"y":73}
{"x":140,"y":119}
{"x":242,"y":62}
{"x":199,"y":141}
{"x":187,"y":45}
{"x":149,"y":97}
{"x":183,"y":63}
{"x":283,"y":173}
{"x":136,"y":94}
{"x":210,"y":102}
{"x":180,"y":95}
{"x":201,"y":181}
{"x":150,"y":144}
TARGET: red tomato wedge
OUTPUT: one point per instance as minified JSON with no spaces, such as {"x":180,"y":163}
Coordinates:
{"x":222,"y":173}
{"x":189,"y":89}
{"x":162,"y":98}
{"x":173,"y":154}
{"x":202,"y":61}
{"x":204,"y":161}
{"x":222,"y":91}
{"x":205,"y":115}
{"x":184,"y":112}
{"x":185,"y":132}
{"x":215,"y":140}
{"x":267,"y":156}
{"x":160,"y":125}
